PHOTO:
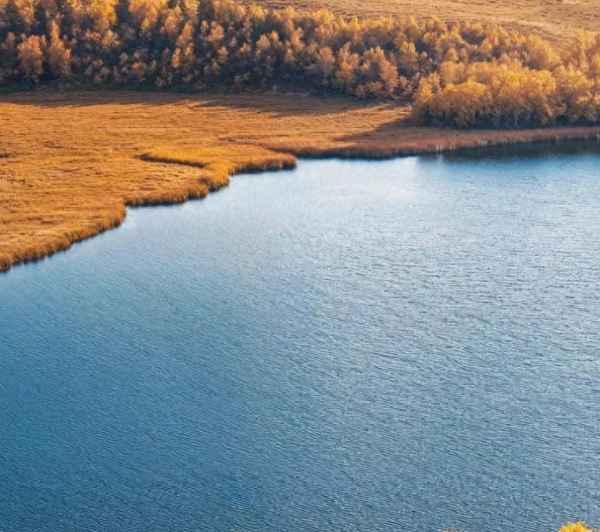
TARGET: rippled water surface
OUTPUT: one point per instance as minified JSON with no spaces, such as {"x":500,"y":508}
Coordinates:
{"x":402,"y":345}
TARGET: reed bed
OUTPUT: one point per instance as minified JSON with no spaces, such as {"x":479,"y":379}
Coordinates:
{"x":219,"y":163}
{"x":75,"y":160}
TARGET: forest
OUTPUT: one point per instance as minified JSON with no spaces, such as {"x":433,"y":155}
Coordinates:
{"x":460,"y":74}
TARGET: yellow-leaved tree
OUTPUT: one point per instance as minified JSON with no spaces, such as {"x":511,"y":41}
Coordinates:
{"x":579,"y":526}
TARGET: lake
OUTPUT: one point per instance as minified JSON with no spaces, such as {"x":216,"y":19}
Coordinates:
{"x":411,"y":344}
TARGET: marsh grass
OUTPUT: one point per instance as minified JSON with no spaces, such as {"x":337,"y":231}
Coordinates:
{"x":221,"y":162}
{"x":76,"y":160}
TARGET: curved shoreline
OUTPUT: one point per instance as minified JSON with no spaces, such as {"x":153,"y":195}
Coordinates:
{"x":82,"y":206}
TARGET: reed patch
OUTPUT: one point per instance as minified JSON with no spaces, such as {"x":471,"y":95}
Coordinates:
{"x":77,"y":159}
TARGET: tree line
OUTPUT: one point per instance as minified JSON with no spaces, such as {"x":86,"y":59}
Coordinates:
{"x":464,"y":74}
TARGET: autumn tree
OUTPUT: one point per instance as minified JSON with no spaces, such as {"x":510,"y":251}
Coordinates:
{"x":31,"y":58}
{"x":58,"y":56}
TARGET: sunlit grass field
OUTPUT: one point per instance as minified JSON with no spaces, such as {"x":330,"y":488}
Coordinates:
{"x":72,"y":161}
{"x":558,"y":20}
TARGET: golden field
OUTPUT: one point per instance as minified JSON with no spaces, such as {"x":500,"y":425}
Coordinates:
{"x":70,"y":163}
{"x":554,"y":19}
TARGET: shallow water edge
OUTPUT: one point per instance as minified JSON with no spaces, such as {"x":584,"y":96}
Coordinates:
{"x":451,"y":142}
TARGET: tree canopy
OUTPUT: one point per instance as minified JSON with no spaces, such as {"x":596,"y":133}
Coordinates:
{"x":463,"y":74}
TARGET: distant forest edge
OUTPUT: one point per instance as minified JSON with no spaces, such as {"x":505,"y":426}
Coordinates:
{"x":462,"y":74}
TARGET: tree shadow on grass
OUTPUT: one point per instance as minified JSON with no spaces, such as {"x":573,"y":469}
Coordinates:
{"x":285,"y":103}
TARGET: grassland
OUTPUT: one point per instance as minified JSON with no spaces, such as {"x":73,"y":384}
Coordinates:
{"x":557,"y":20}
{"x":72,"y":162}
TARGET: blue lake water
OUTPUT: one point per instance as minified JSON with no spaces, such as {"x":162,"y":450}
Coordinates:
{"x":410,"y":344}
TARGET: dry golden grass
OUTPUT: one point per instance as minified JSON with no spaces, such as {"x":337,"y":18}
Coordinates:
{"x":219,"y":162}
{"x":555,"y":19}
{"x":71,"y":162}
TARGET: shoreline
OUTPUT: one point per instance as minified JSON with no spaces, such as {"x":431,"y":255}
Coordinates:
{"x":83,"y":207}
{"x":519,"y":137}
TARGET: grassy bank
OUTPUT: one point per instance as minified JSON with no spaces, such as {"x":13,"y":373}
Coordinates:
{"x":72,"y":162}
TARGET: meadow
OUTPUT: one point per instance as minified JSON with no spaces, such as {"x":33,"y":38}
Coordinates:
{"x":556,"y":20}
{"x":73,"y":161}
